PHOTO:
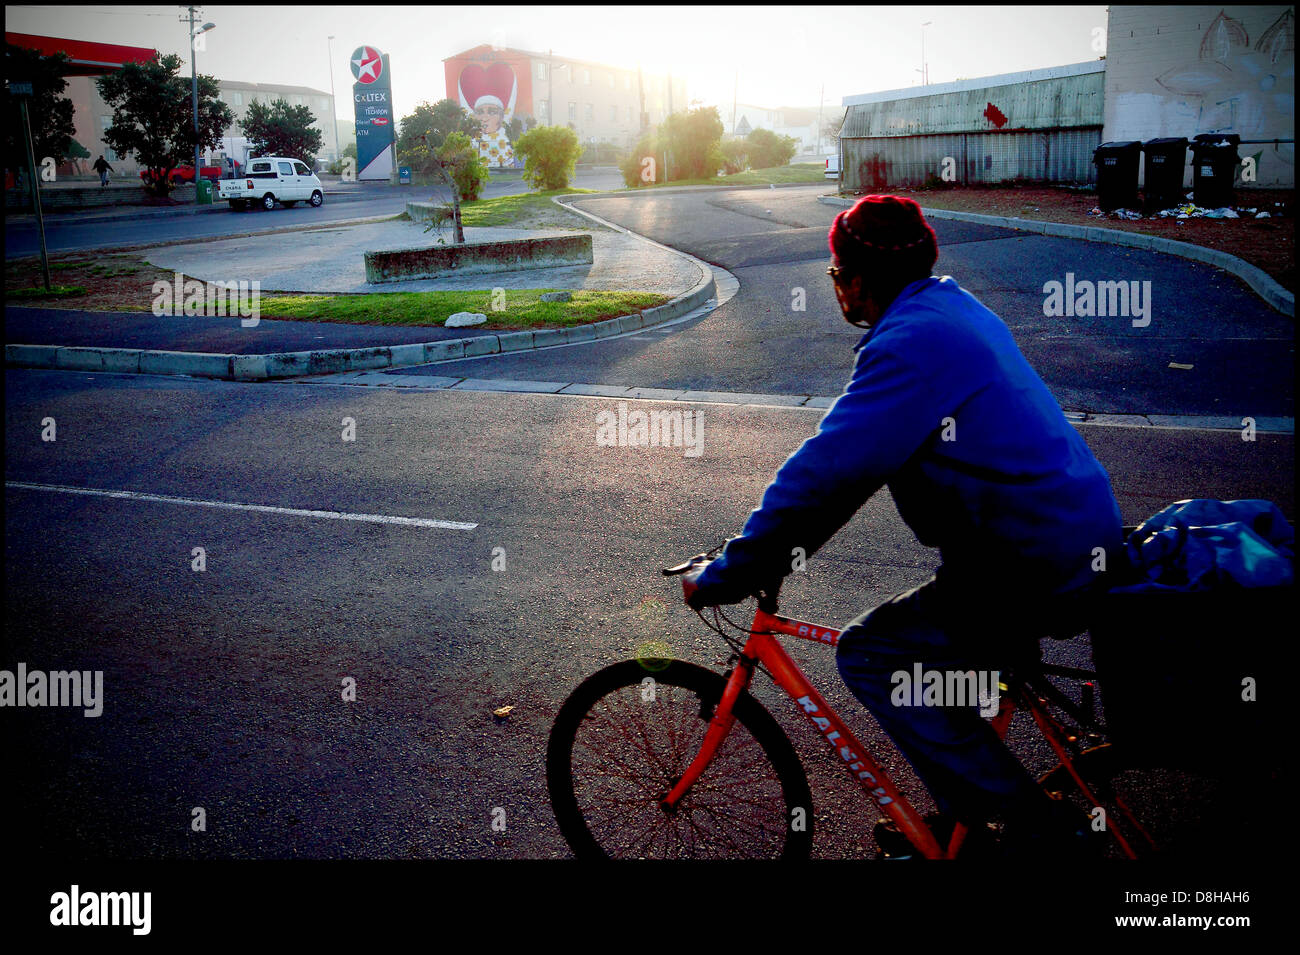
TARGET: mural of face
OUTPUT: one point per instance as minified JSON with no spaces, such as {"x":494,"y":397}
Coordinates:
{"x":490,"y":115}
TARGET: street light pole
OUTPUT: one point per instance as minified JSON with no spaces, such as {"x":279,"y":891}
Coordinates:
{"x":194,"y":94}
{"x":334,"y":106}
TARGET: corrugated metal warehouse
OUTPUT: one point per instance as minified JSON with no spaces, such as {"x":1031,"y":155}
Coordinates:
{"x":1039,"y":125}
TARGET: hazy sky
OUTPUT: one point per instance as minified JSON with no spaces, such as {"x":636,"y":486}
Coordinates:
{"x":783,"y":54}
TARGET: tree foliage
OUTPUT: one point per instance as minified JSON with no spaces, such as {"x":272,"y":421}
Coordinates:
{"x":693,"y":141}
{"x":735,"y":156}
{"x":550,"y":153}
{"x":433,"y":123}
{"x":689,"y":143}
{"x":49,"y":111}
{"x":643,"y":166}
{"x":768,"y":149}
{"x":282,"y":130}
{"x":458,"y":157}
{"x":152,"y":116}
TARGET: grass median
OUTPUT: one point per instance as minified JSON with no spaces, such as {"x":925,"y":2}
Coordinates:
{"x":804,"y":172}
{"x":125,"y":282}
{"x":522,"y":308}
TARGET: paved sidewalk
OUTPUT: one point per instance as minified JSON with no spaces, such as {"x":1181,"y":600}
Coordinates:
{"x":330,"y":260}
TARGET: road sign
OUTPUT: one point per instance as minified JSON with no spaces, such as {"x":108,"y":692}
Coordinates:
{"x":20,"y":89}
{"x":404,"y":175}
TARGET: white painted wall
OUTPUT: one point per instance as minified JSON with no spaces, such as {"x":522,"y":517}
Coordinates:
{"x":1184,"y":70}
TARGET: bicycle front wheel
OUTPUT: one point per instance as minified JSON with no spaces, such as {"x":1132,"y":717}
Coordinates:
{"x":623,"y":739}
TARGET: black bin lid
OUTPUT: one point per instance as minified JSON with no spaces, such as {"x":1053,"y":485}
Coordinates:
{"x":1167,"y":142}
{"x":1213,"y":139}
{"x":1120,"y":145}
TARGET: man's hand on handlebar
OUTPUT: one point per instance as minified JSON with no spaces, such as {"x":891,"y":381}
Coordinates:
{"x":712,"y":592}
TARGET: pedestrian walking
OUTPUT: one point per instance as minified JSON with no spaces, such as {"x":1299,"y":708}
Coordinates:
{"x":103,"y":168}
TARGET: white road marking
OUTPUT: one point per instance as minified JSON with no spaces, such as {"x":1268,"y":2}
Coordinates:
{"x":263,"y":508}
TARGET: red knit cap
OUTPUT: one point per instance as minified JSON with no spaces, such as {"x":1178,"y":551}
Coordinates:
{"x":887,"y":235}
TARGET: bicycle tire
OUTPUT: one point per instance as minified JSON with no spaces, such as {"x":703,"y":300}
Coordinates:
{"x":603,"y":813}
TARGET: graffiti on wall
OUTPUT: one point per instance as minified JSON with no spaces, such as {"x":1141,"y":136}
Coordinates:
{"x":495,"y":86}
{"x":1234,"y":87}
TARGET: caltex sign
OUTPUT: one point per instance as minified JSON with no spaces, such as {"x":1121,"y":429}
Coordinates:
{"x":372,"y":99}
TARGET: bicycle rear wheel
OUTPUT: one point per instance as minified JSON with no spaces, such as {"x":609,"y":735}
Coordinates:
{"x":620,"y":743}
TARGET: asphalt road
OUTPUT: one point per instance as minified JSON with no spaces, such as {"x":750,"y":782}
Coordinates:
{"x":222,"y":687}
{"x":1242,"y":352}
{"x":65,"y":234}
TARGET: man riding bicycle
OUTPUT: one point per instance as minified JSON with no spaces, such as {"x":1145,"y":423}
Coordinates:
{"x":983,"y":465}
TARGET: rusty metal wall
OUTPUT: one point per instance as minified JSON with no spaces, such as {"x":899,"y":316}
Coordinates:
{"x":883,"y":162}
{"x":1058,"y":103}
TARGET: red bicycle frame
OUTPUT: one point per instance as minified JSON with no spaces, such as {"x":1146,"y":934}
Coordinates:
{"x":763,"y":647}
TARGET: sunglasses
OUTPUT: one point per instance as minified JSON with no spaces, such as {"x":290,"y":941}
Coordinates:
{"x":835,"y":272}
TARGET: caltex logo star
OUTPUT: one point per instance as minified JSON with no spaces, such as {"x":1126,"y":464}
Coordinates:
{"x":367,"y":64}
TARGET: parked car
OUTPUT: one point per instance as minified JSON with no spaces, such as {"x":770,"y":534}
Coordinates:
{"x":272,"y":179}
{"x":833,"y":166}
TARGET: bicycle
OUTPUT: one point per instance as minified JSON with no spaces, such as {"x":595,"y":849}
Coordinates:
{"x":661,"y":757}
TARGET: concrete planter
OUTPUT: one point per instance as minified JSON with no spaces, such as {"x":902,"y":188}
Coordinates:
{"x":510,"y":255}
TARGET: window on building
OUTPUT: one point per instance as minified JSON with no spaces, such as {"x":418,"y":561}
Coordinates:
{"x":586,"y":77}
{"x":541,"y":71}
{"x":588,"y":113}
{"x":573,"y":111}
{"x":237,"y":99}
{"x":297,"y":101}
{"x":544,"y":110}
{"x":613,"y":114}
{"x":627,"y":81}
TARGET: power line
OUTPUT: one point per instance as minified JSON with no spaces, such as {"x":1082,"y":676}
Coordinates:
{"x":102,"y":13}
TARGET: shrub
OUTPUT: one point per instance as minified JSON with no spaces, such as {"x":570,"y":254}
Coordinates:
{"x":463,"y":165}
{"x":550,"y":153}
{"x":692,"y":140}
{"x":633,"y":165}
{"x":735,"y":156}
{"x":767,"y":149}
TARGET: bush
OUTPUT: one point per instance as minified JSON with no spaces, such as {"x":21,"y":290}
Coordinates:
{"x":461,"y":161}
{"x":632,"y":166}
{"x":767,"y":149}
{"x":692,"y":140}
{"x":550,"y":153}
{"x":735,"y":156}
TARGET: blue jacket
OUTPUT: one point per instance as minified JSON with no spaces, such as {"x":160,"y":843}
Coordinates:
{"x":978,"y":456}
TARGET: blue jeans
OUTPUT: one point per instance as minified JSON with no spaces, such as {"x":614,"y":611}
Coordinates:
{"x":947,"y":627}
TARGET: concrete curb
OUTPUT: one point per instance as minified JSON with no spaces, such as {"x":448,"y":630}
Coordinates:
{"x":329,"y":361}
{"x":1260,"y":281}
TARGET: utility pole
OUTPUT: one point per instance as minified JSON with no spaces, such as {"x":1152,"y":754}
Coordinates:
{"x":821,"y":99}
{"x":334,"y":106}
{"x":925,"y":70}
{"x":194,"y":102}
{"x":24,"y":92}
{"x":194,"y":93}
{"x":735,"y":92}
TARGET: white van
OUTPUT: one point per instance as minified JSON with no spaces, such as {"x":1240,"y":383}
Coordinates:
{"x":271,"y":179}
{"x":833,"y":166}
